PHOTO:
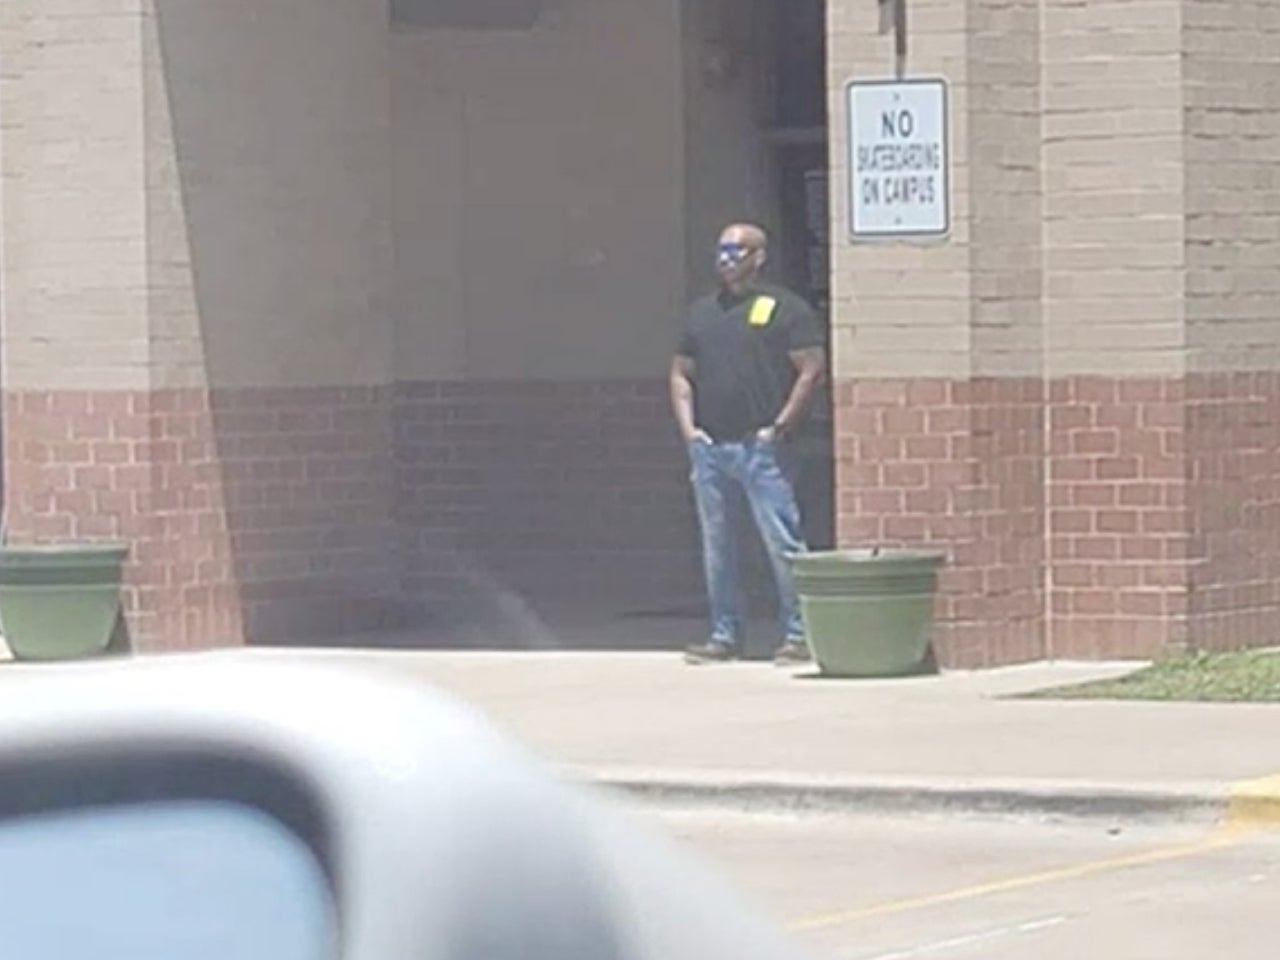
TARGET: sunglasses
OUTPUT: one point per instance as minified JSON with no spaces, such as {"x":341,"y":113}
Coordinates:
{"x":732,"y":254}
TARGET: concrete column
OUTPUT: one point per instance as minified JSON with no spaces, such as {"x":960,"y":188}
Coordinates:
{"x":1080,"y":388}
{"x":1114,"y":228}
{"x":938,"y":345}
{"x":196,"y":348}
{"x":1231,"y":149}
{"x":1162,"y":298}
{"x":89,"y":451}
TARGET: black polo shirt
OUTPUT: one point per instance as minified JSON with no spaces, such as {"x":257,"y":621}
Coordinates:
{"x":741,"y":348}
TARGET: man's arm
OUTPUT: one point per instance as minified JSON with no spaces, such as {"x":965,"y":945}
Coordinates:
{"x":682,"y":397}
{"x":811,"y":368}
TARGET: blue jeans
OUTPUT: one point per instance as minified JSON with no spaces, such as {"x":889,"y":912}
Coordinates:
{"x":761,"y":470}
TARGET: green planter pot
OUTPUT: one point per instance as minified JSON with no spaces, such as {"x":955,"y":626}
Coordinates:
{"x":60,"y":602}
{"x":868,"y":613}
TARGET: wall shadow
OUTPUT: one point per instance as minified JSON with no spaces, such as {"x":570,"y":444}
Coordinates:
{"x":280,"y":219}
{"x":341,"y":504}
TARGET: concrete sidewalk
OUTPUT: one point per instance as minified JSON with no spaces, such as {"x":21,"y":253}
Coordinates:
{"x":754,"y":735}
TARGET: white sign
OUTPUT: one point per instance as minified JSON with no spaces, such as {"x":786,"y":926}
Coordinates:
{"x":898,"y":166}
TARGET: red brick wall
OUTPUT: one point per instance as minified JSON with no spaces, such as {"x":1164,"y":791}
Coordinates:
{"x":259,"y":514}
{"x":1233,"y":434}
{"x":1150,"y":526}
{"x":956,"y":465}
{"x":278,"y":515}
{"x":139,"y":467}
{"x":309,"y":492}
{"x":566,"y":491}
{"x":1156,"y":511}
{"x":1118,"y":527}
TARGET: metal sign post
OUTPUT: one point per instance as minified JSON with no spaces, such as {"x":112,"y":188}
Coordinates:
{"x":893,"y":17}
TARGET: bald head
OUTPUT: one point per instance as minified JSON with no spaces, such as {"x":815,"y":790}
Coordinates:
{"x":747,"y":234}
{"x":741,"y":255}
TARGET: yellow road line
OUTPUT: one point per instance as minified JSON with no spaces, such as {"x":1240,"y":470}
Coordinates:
{"x":1229,"y":837}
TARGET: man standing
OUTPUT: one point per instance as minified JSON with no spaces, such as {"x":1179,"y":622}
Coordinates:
{"x":750,"y":358}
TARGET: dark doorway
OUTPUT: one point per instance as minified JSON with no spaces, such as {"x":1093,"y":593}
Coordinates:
{"x":795,"y":130}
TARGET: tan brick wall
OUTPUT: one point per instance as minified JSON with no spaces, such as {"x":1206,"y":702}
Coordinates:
{"x":539,"y":196}
{"x":900,"y":310}
{"x":1232,"y":145}
{"x":195,"y":211}
{"x":280,"y":140}
{"x":1005,"y":187}
{"x":74,"y":221}
{"x":939,"y":344}
{"x":188,"y":201}
{"x":1068,"y":247}
{"x":192,"y":204}
{"x":174,"y":327}
{"x":1113,"y":205}
{"x":1116,"y":232}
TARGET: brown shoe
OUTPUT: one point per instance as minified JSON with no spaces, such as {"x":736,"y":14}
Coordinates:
{"x":710,"y":652}
{"x":793,"y":652}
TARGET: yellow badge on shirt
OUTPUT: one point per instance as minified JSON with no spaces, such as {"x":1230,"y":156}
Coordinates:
{"x":762,"y":311}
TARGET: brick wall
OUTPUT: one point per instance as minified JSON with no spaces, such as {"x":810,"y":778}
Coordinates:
{"x":74,"y":284}
{"x":1005,"y":189}
{"x":958,"y":465}
{"x":1111,"y":152}
{"x":296,"y":515}
{"x":557,"y":490}
{"x":309,"y":487}
{"x":1234,"y":507}
{"x":118,"y":465}
{"x":902,"y":311}
{"x":1232,"y":151}
{"x":255,"y":515}
{"x":1061,"y":507}
{"x":176,"y":216}
{"x":1232,"y":146}
{"x":1117,"y":523}
{"x":1148,"y":526}
{"x":267,"y":236}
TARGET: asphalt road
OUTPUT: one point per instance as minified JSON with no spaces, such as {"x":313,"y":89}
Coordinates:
{"x":955,"y":889}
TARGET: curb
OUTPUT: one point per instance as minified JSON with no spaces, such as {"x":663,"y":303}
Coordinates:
{"x":1255,"y":803}
{"x":1076,"y":800}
